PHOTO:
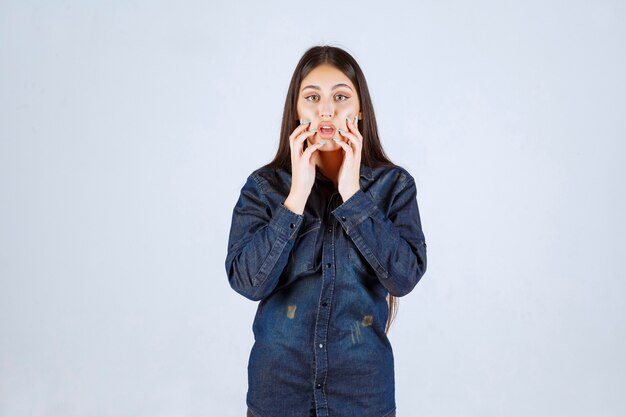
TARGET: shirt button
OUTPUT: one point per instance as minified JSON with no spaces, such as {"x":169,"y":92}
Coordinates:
{"x":324,"y":303}
{"x":321,"y":345}
{"x":330,"y":230}
{"x":343,"y":217}
{"x":328,"y":265}
{"x":319,"y":385}
{"x":292,"y":225}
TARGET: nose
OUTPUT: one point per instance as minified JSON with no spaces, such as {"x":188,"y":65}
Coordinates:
{"x":326,"y":110}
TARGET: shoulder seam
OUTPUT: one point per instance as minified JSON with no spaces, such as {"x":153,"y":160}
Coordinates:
{"x":260,"y":183}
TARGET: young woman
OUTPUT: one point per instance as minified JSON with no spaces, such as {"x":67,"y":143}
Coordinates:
{"x":325,"y":237}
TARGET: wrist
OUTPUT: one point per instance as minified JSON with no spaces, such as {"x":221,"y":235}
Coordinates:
{"x":295,"y":202}
{"x":347,"y":194}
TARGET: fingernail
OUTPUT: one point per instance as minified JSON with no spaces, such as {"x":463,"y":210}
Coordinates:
{"x":356,"y":119}
{"x":304,"y":121}
{"x":336,"y":139}
{"x":348,"y":118}
{"x":341,"y":131}
{"x":313,"y":130}
{"x":322,"y":142}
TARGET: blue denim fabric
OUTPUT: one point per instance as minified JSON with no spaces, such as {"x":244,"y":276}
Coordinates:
{"x":322,"y":279}
{"x":250,"y":414}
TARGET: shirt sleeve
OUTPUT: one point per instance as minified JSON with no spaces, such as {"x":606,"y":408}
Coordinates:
{"x":393,"y":244}
{"x":260,"y":241}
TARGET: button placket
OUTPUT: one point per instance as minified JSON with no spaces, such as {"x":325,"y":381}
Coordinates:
{"x":323,"y":315}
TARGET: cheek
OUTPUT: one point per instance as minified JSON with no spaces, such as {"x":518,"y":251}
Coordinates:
{"x":304,"y":113}
{"x":351,"y":105}
{"x":348,"y":109}
{"x":302,"y":107}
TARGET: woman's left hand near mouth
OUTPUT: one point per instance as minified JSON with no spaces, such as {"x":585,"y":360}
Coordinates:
{"x":349,"y":172}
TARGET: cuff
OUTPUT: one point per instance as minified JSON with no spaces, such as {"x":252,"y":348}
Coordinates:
{"x":355,"y":209}
{"x":286,"y":222}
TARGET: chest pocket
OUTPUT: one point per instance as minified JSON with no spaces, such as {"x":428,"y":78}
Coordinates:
{"x":357,"y":260}
{"x":303,"y":255}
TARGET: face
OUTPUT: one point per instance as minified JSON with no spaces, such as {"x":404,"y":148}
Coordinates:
{"x":327,"y":97}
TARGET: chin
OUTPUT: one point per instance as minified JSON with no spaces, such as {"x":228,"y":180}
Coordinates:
{"x":329,"y":146}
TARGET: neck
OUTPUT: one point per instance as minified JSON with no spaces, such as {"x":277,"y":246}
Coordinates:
{"x":328,"y":163}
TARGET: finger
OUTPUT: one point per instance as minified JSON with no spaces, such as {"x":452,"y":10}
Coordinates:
{"x":304,"y":124}
{"x":354,"y":141}
{"x":352,"y":137}
{"x":352,"y":121}
{"x":299,"y":140}
{"x":352,"y":126}
{"x":298,"y":143}
{"x":345,"y":146}
{"x":312,"y":148}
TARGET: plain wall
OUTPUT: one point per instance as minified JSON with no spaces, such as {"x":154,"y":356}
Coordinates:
{"x":127,"y":129}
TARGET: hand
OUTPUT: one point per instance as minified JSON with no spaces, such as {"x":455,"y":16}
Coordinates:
{"x":349,"y":172}
{"x":302,"y":167}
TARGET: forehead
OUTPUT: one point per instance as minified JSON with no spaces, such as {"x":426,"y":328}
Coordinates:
{"x":326,"y":77}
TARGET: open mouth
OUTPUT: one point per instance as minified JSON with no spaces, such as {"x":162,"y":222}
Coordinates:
{"x":326,"y":131}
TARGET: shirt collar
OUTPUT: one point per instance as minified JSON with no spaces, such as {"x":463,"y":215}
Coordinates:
{"x":366,"y":171}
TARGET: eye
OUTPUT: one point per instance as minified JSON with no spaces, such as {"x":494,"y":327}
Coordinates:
{"x":316,"y":97}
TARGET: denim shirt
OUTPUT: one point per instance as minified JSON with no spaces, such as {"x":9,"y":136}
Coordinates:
{"x":322,"y":279}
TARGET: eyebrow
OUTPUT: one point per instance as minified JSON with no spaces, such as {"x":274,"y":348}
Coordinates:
{"x":317,"y":87}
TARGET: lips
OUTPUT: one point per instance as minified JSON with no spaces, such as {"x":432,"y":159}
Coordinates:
{"x":326,"y":129}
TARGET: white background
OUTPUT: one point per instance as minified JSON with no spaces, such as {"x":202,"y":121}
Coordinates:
{"x":127,"y":129}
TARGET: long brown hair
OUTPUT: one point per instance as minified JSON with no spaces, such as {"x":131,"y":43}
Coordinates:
{"x":372,"y":153}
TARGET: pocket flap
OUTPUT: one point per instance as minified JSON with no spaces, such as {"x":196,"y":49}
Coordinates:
{"x":309,"y":224}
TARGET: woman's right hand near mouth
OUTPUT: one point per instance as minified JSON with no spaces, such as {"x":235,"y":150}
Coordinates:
{"x":302,"y":167}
